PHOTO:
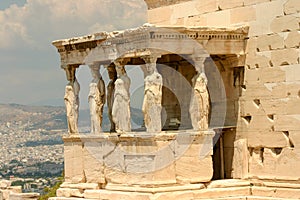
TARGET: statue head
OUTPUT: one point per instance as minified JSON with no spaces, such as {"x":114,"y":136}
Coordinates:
{"x":120,"y":70}
{"x":95,"y":72}
{"x":119,"y":82}
{"x":151,"y":68}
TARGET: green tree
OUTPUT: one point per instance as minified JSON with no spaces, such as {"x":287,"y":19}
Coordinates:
{"x":51,"y":191}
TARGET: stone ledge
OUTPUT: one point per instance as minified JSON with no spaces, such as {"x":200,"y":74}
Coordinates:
{"x":228,"y":183}
{"x":115,"y":187}
{"x":137,"y":136}
{"x":82,"y":186}
{"x":276,"y":184}
{"x":218,"y":190}
{"x":67,"y":198}
{"x":24,"y":196}
{"x":222,"y":192}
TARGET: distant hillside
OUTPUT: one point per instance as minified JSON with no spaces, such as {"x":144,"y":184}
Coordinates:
{"x":34,"y":117}
{"x":52,"y":118}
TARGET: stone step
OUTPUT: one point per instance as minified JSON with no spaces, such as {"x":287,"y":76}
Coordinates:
{"x":247,"y":198}
{"x":223,"y":198}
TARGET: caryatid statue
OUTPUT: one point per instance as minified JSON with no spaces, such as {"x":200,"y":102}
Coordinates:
{"x":96,"y":99}
{"x":200,"y":105}
{"x":152,"y":97}
{"x":112,"y":73}
{"x":121,"y":105}
{"x":71,"y":100}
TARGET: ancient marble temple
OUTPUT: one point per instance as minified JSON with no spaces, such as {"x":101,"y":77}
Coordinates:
{"x":215,"y":74}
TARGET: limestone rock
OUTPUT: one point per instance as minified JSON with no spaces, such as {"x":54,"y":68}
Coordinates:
{"x":285,"y":23}
{"x":222,"y":192}
{"x":24,"y":196}
{"x":206,"y":6}
{"x":267,"y":139}
{"x":285,"y":57}
{"x":73,"y":155}
{"x":111,"y":195}
{"x":15,"y":189}
{"x":81,"y":186}
{"x":240,"y":159}
{"x":93,"y":164}
{"x":242,"y":14}
{"x":228,"y":183}
{"x":292,"y":6}
{"x":67,"y":192}
{"x":225,"y":4}
{"x":184,"y":195}
{"x":5,"y":184}
{"x":270,"y":42}
{"x":293,"y":39}
{"x":188,"y":170}
{"x":253,"y":2}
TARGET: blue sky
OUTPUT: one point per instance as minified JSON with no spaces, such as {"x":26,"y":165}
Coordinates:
{"x":7,"y":3}
{"x":29,"y":65}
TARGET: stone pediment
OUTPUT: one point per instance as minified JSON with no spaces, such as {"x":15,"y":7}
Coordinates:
{"x":105,"y":47}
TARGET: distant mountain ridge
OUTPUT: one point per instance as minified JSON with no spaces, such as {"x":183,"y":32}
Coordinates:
{"x":53,"y":117}
{"x":34,"y":117}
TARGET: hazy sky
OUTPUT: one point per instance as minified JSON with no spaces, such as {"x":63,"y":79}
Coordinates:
{"x":30,"y":68}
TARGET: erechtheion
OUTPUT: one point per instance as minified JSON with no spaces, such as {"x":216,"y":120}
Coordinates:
{"x":221,"y":104}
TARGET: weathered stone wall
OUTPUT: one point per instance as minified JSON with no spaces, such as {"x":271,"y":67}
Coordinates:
{"x":8,"y":192}
{"x":170,"y":158}
{"x":269,"y":111}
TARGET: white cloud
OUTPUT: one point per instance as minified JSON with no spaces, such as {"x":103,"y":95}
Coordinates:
{"x":29,"y":63}
{"x":41,"y":20}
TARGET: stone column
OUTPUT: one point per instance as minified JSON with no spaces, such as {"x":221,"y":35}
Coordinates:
{"x":96,"y":99}
{"x":152,"y":95}
{"x":121,"y":105}
{"x":112,"y":73}
{"x":199,"y":105}
{"x":71,"y":99}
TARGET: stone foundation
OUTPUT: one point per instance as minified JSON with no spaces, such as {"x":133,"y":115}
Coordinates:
{"x":220,"y":189}
{"x":168,"y":158}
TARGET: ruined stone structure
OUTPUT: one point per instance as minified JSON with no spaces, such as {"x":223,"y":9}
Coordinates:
{"x":9,"y":192}
{"x":226,"y":74}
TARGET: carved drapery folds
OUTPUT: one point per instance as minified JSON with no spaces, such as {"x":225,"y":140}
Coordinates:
{"x":199,"y":105}
{"x":152,"y":95}
{"x":118,"y":96}
{"x":96,"y":99}
{"x":121,"y":105}
{"x":71,"y":99}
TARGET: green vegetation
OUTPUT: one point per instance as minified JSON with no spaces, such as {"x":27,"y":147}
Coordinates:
{"x":18,"y":183}
{"x":51,"y":191}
